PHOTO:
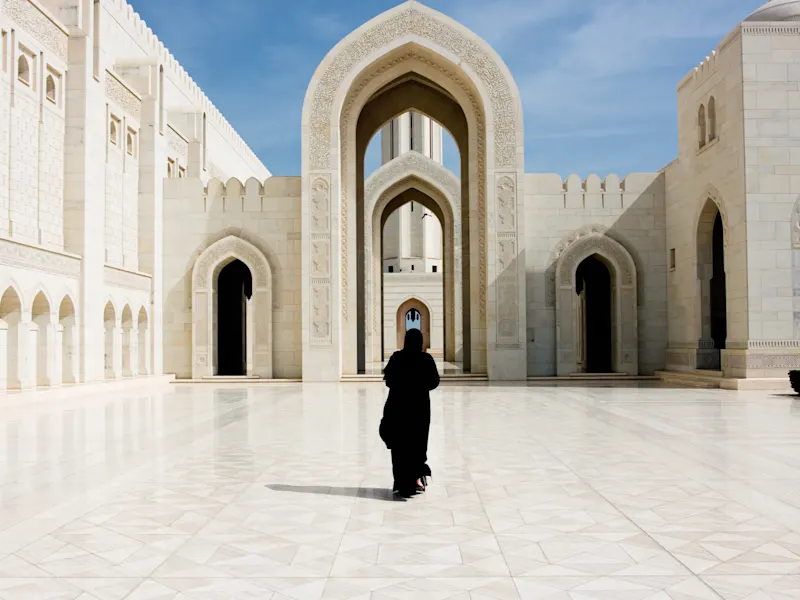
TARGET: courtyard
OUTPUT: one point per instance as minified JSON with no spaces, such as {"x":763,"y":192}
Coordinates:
{"x":280,"y":491}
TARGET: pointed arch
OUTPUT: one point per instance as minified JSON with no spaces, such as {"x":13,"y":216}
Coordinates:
{"x":622,"y":268}
{"x":412,"y":45}
{"x":12,"y":339}
{"x":42,"y":325}
{"x":414,"y":175}
{"x":414,"y":302}
{"x":204,"y":307}
{"x":143,"y":358}
{"x":70,"y":353}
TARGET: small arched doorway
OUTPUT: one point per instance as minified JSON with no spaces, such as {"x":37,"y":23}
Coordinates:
{"x":595,"y":318}
{"x":234,"y":292}
{"x":11,"y":326}
{"x":413,"y":314}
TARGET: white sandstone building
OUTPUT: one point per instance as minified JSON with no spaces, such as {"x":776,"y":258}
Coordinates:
{"x":140,"y":236}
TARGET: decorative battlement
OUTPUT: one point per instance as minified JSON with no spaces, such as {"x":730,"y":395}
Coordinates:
{"x":548,"y":183}
{"x":137,"y":26}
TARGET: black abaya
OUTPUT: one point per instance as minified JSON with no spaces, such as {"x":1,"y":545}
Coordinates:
{"x":409,"y":375}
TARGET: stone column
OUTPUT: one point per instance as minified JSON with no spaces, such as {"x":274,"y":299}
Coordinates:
{"x":134,"y":351}
{"x":118,"y":344}
{"x":57,"y":373}
{"x":3,"y":355}
{"x":28,"y":354}
{"x":707,"y":356}
{"x":250,"y":335}
{"x":44,"y":351}
{"x":259,"y":352}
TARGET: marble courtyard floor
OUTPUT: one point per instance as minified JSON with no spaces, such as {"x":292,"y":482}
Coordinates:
{"x":280,"y":492}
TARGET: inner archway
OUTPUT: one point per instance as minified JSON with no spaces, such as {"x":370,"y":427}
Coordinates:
{"x":593,"y":287}
{"x":11,"y":319}
{"x":42,"y":321}
{"x":69,"y":343}
{"x":413,"y":59}
{"x":712,"y":297}
{"x":719,"y":304}
{"x":234,"y":292}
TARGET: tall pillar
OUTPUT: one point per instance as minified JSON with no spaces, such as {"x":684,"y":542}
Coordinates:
{"x":134,"y":351}
{"x":117,"y":337}
{"x":57,"y":373}
{"x":3,"y":355}
{"x":28,"y":353}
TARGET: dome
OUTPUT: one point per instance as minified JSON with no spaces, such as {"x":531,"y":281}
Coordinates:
{"x":777,"y":10}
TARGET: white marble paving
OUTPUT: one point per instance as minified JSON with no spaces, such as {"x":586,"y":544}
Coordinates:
{"x":276,"y":492}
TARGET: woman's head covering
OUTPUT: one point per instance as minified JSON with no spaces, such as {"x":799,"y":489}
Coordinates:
{"x":413,"y":341}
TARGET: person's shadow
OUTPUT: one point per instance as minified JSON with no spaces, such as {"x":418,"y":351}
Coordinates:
{"x":383,"y":494}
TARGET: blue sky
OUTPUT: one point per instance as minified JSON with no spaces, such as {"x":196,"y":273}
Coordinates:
{"x":597,"y":77}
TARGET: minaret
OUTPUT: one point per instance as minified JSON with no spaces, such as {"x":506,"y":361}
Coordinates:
{"x":412,"y":235}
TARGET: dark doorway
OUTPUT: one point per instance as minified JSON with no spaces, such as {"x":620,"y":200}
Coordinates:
{"x":719,"y":303}
{"x":234,"y":288}
{"x":594,"y":286}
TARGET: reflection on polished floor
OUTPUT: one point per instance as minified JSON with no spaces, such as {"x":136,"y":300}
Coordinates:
{"x":280,"y":492}
{"x":445,"y":368}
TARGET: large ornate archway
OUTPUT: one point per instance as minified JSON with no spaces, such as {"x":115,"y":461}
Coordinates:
{"x":204,"y":307}
{"x":624,"y":318}
{"x":413,"y":42}
{"x":441,"y":194}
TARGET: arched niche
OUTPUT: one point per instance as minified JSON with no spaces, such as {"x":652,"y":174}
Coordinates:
{"x":393,"y":64}
{"x":400,"y":321}
{"x":204,"y":307}
{"x":414,"y":177}
{"x":624,"y":317}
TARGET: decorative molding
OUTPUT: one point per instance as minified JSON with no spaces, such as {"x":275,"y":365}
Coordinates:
{"x":773,"y":361}
{"x":772,"y":344}
{"x":590,"y":244}
{"x":409,"y":162}
{"x":507,"y":204}
{"x":31,"y":18}
{"x":114,"y":276}
{"x":481,"y":174}
{"x":320,"y":256}
{"x":770,"y":29}
{"x":236,"y":248}
{"x":123,"y":96}
{"x":16,"y":254}
{"x":506,"y":266}
{"x":413,"y":22}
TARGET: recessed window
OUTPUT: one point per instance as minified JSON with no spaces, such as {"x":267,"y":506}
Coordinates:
{"x":435,"y":268}
{"x":24,"y":70}
{"x":170,"y":168}
{"x":391,"y":269}
{"x":701,"y":127}
{"x":412,"y":267}
{"x":4,"y":50}
{"x":712,"y":119}
{"x":130,"y":142}
{"x":50,"y":89}
{"x":113,"y":130}
{"x":672,"y":259}
{"x":181,"y":172}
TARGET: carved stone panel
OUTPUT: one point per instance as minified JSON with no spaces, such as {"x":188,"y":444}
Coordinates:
{"x":796,"y":226}
{"x":28,"y":16}
{"x":320,"y":312}
{"x":320,"y":204}
{"x":506,"y":205}
{"x":320,"y":256}
{"x":118,"y":93}
{"x":507,"y":292}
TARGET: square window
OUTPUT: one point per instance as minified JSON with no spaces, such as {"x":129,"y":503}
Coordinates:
{"x":391,"y":269}
{"x":435,"y":268}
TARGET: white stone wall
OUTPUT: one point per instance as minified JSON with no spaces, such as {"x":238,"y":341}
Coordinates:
{"x":714,"y":171}
{"x":631,"y":211}
{"x":268,"y":217}
{"x":400,"y":287}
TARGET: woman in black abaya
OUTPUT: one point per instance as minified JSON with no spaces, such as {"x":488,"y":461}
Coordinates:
{"x":409,"y":375}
